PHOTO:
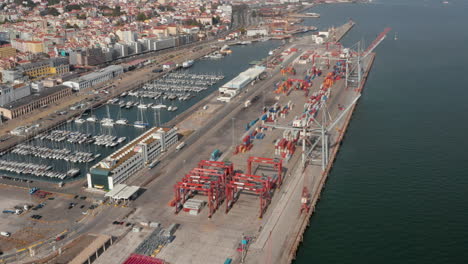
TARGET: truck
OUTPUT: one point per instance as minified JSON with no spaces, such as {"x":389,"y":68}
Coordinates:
{"x":5,"y":234}
{"x":153,"y":164}
{"x":180,"y":146}
{"x":8,"y":211}
{"x":33,"y":190}
{"x":215,"y":154}
{"x":251,"y":101}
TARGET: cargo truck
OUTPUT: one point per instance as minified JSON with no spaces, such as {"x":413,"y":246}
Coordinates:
{"x":215,"y":154}
{"x":180,"y":146}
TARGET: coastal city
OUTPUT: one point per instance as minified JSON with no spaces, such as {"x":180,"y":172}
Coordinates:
{"x":170,"y":131}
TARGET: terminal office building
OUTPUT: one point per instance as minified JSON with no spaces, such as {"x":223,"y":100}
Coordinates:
{"x":131,"y":158}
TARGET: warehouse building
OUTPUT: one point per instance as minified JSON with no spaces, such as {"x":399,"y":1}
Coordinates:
{"x":34,"y":101}
{"x":131,"y":158}
{"x":95,"y":78}
{"x":232,"y":88}
{"x":122,"y":193}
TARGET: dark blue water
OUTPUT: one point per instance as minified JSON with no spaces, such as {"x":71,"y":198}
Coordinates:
{"x":230,"y":66}
{"x":398,"y":192}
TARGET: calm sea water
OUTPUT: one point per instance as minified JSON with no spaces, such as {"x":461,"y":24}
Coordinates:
{"x":398,"y":192}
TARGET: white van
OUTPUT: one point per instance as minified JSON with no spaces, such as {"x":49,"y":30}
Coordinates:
{"x":5,"y":234}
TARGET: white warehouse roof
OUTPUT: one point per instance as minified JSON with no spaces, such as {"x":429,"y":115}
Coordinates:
{"x":245,"y":78}
{"x":122,"y":192}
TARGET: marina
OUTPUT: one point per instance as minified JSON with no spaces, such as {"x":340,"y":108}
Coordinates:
{"x":58,"y":154}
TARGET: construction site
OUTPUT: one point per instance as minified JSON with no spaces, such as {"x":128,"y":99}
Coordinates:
{"x":243,"y":188}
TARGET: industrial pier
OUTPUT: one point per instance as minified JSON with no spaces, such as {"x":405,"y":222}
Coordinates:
{"x":271,"y":223}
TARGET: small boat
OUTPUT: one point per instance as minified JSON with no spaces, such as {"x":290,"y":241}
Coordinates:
{"x":172,"y":108}
{"x":108,"y":124}
{"x":140,"y":124}
{"x":107,"y":120}
{"x":159,"y":106}
{"x":122,"y":121}
{"x":270,"y":53}
{"x":79,"y":121}
{"x":187,"y":64}
{"x":91,"y":119}
{"x":142,"y":106}
{"x":73,"y":172}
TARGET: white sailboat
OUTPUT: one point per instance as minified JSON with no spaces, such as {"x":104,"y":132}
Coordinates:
{"x":140,"y":123}
{"x":121,"y":121}
{"x":107,"y":122}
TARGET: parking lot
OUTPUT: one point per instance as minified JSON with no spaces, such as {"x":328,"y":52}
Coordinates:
{"x":45,"y":217}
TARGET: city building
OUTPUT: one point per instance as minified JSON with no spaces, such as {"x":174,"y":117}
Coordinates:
{"x":26,"y":105}
{"x":11,"y":93}
{"x":12,"y":75}
{"x":7,"y":51}
{"x":28,"y":45}
{"x":87,"y":57}
{"x":131,"y":158}
{"x":45,"y":68}
{"x":164,"y":43}
{"x":120,"y":50}
{"x":95,"y":77}
{"x":256,"y":32}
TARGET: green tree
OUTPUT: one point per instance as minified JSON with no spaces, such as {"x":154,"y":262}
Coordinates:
{"x":76,"y":26}
{"x":242,"y":30}
{"x":52,"y":11}
{"x":68,"y":25}
{"x":254,"y":14}
{"x":69,"y":8}
{"x":141,"y":17}
{"x":53,"y":2}
{"x":215,"y":20}
{"x":202,"y":9}
{"x":166,"y":8}
{"x":116,"y":11}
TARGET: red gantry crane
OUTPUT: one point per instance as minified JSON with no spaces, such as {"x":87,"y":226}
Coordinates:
{"x":259,"y":185}
{"x":277,"y":165}
{"x":208,"y":179}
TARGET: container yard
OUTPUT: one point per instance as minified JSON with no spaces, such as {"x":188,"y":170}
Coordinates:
{"x":261,"y":158}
